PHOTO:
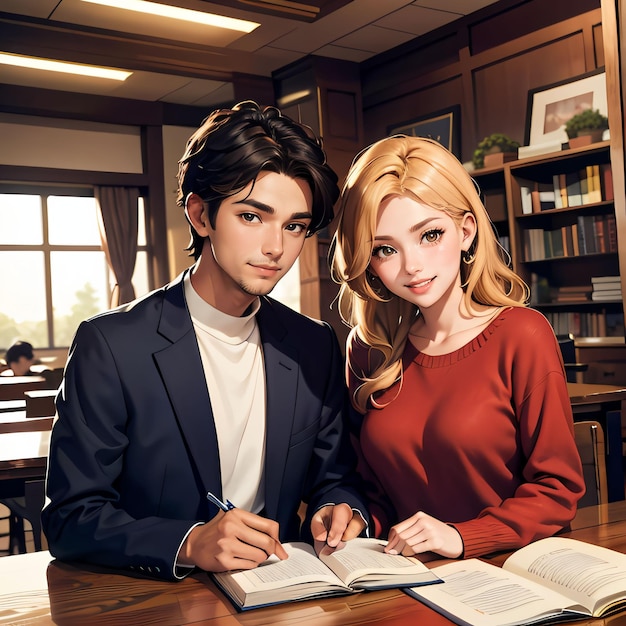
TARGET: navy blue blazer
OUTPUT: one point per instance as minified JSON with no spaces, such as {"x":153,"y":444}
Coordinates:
{"x":134,"y":448}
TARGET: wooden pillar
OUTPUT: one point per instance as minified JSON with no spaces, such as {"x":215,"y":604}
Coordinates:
{"x":326,"y":95}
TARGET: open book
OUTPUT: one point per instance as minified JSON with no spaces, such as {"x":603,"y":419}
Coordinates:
{"x":554,"y":579}
{"x":360,"y":564}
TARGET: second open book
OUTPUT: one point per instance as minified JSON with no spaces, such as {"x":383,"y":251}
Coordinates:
{"x":554,"y":579}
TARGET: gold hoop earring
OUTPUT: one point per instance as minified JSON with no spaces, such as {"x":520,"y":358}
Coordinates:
{"x":467,"y":257}
{"x":377,"y":286}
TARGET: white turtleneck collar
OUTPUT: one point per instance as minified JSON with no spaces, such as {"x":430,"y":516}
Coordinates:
{"x":226,"y":328}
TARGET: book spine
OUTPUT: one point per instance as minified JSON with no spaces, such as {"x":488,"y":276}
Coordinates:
{"x":563,"y":187}
{"x":595,"y":194}
{"x":606,"y":178}
{"x":599,"y":223}
{"x":574,"y":197}
{"x":583,"y":177}
{"x":611,"y":233}
{"x":558,"y":198}
{"x":525,"y":194}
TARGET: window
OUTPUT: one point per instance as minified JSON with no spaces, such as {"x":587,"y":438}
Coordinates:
{"x":55,"y":272}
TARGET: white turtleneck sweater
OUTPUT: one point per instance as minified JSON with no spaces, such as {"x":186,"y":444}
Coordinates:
{"x":232,"y":357}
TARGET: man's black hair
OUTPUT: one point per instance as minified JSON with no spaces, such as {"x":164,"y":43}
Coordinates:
{"x":233,"y":146}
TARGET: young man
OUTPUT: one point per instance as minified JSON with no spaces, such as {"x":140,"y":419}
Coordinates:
{"x":20,"y":358}
{"x":208,"y":385}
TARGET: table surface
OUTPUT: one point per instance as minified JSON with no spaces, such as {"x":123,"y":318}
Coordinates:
{"x":24,"y":454}
{"x":13,"y":387}
{"x":17,"y":422}
{"x":21,"y":380}
{"x":35,"y":589}
{"x":583,"y":393}
{"x":12,"y":405}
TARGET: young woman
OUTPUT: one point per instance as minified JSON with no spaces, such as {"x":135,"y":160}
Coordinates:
{"x":465,"y":437}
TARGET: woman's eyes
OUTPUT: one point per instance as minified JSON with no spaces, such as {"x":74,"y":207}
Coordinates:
{"x":432,"y":236}
{"x":383,"y":251}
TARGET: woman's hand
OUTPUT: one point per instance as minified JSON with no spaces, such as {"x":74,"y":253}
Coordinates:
{"x":422,"y":533}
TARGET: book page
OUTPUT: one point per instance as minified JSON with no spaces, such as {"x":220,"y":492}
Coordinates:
{"x":302,"y":566}
{"x":588,"y":574}
{"x":361,"y":557}
{"x":481,"y":594}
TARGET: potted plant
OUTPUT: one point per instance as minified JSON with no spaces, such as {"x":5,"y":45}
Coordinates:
{"x":586,"y":127}
{"x":494,"y":150}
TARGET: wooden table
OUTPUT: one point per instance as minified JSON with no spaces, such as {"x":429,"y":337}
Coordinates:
{"x":589,"y":393}
{"x":12,"y":405}
{"x":18,"y":422}
{"x":13,"y":387}
{"x":34,"y":589}
{"x":23,"y":455}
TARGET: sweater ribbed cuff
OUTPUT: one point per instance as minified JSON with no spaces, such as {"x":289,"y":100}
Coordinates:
{"x":482,"y":536}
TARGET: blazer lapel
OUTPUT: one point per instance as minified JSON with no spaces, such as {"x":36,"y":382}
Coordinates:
{"x":281,"y":375}
{"x":181,"y":368}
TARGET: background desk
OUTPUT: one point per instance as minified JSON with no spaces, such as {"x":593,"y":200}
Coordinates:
{"x":23,"y":456}
{"x":606,"y":404}
{"x":13,"y":387}
{"x":34,"y":590}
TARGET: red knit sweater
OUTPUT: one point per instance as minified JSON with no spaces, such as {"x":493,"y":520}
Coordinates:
{"x":480,"y":438}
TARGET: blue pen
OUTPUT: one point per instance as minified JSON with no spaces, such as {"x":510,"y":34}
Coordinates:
{"x":225,"y":506}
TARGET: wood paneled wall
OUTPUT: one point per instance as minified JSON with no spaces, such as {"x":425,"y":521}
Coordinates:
{"x":486,"y":63}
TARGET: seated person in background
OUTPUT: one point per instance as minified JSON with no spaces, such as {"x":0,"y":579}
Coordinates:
{"x":209,"y":385}
{"x":460,"y":386}
{"x":19,"y":359}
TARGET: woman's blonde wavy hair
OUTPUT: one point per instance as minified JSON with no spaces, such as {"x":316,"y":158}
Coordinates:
{"x":425,"y":171}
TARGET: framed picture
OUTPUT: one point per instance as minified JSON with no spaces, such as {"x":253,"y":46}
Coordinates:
{"x":549,"y":108}
{"x":442,"y":126}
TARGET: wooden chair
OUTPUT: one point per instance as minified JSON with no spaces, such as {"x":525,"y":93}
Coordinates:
{"x":26,"y":508}
{"x":40,"y":402}
{"x":568,"y":350}
{"x":589,"y":438}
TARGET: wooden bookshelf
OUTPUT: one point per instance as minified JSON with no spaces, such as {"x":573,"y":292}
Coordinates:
{"x":561,"y":244}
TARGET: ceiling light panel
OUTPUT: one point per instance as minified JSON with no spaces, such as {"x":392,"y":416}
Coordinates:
{"x":63,"y":67}
{"x":149,"y":25}
{"x":178,"y":13}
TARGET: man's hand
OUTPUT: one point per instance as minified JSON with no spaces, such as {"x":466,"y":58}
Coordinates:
{"x":423,"y":533}
{"x":237,"y":539}
{"x":335,"y":523}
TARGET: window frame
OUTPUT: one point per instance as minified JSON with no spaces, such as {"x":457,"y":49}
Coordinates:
{"x":44,"y":191}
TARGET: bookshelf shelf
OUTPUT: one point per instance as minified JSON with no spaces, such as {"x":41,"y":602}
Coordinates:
{"x":606,"y":207}
{"x":604,"y":258}
{"x":557,"y":213}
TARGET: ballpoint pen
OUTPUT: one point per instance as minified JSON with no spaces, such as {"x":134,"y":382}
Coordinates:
{"x":225,"y":506}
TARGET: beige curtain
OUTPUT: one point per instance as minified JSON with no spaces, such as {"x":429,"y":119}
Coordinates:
{"x":118,"y":232}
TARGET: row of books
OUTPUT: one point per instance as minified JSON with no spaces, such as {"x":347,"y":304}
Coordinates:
{"x":574,"y":294}
{"x":606,"y":288}
{"x":590,"y":185}
{"x":587,"y":324}
{"x":601,"y":289}
{"x":590,"y":234}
